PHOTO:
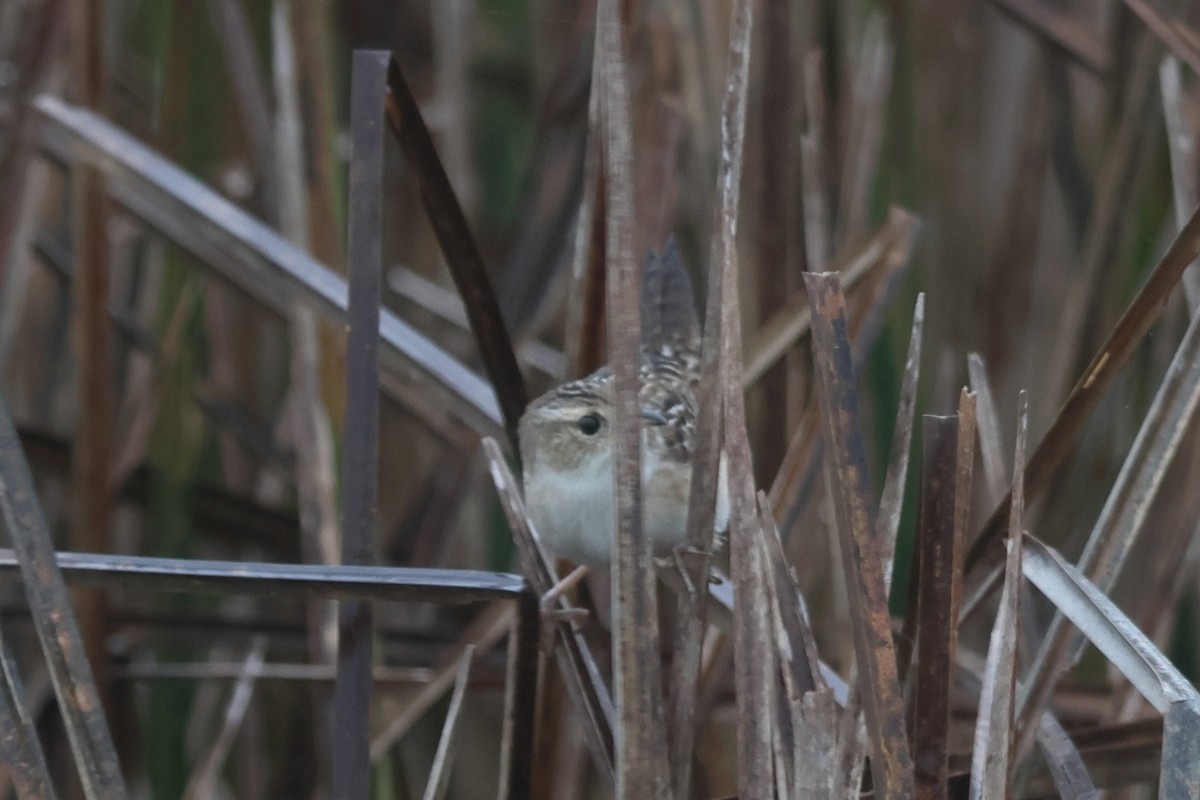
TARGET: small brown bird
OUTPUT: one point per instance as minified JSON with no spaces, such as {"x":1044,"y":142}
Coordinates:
{"x":566,"y":434}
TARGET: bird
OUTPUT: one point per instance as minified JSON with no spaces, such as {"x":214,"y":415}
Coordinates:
{"x":566,"y":435}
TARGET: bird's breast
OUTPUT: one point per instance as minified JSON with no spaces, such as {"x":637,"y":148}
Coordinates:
{"x":573,"y":509}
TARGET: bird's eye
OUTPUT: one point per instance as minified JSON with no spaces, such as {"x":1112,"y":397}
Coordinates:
{"x":588,"y":424}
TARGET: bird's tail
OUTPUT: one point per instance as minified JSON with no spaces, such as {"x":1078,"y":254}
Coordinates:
{"x":669,"y":320}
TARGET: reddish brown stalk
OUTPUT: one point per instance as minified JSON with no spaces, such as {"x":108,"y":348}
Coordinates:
{"x":891,"y":765}
{"x":945,"y":505}
{"x":776,"y":209}
{"x":931,"y":696}
{"x":93,"y":451}
{"x":964,"y":488}
{"x":875,"y":264}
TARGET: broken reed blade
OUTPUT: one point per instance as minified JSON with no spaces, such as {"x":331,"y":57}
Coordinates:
{"x":891,"y":764}
{"x":54,"y":619}
{"x":247,"y":253}
{"x":935,"y":603}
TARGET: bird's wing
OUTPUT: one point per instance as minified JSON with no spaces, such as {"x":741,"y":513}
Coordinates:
{"x":667,"y":391}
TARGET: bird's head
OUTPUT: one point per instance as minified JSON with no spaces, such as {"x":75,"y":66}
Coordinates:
{"x":572,"y":424}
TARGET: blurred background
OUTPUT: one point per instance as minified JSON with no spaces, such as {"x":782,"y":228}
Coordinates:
{"x":1047,"y":147}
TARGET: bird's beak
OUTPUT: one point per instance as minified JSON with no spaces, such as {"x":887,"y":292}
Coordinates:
{"x":654,"y":415}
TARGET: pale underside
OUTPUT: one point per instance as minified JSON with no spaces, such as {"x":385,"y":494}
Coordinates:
{"x":573,"y":509}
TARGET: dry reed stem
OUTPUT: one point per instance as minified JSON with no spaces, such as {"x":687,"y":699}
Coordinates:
{"x":360,"y":439}
{"x":589,"y":696}
{"x":721,"y":323}
{"x":641,"y":768}
{"x":20,"y":748}
{"x":992,"y":760}
{"x":54,"y":619}
{"x":1125,"y":511}
{"x":467,"y":268}
{"x":492,"y":624}
{"x":92,"y":454}
{"x":1131,"y":652}
{"x":852,"y":742}
{"x":891,"y":765}
{"x":1060,"y":439}
{"x":439,"y":772}
{"x":1181,"y":147}
{"x":204,"y":779}
{"x":934,"y":650}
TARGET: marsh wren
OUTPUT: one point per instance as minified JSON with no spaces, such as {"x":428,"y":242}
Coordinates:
{"x":567,"y":442}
